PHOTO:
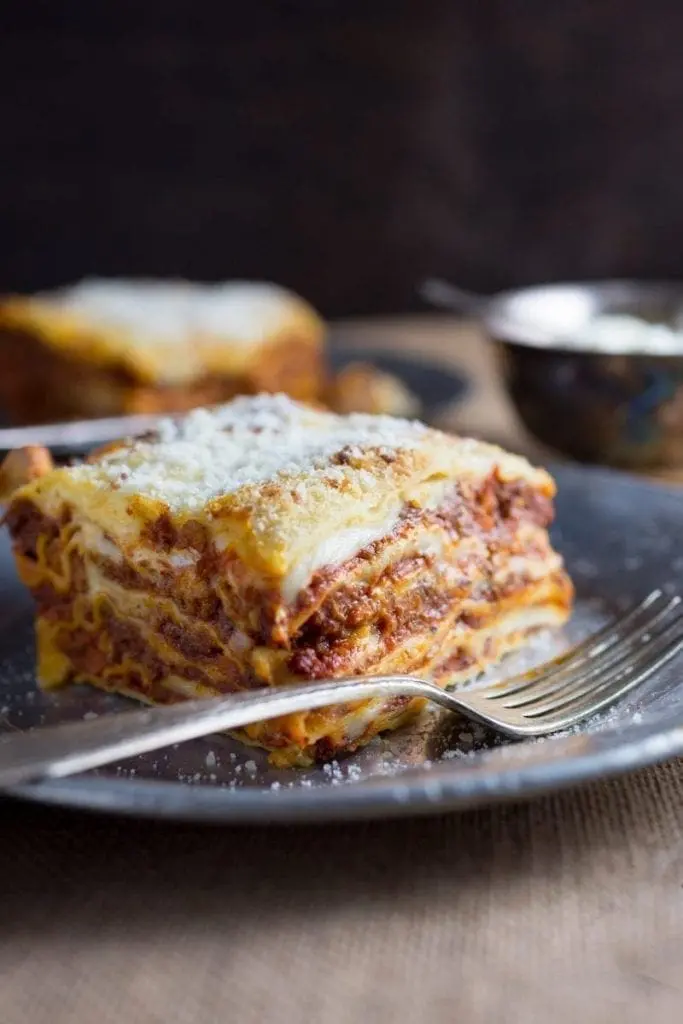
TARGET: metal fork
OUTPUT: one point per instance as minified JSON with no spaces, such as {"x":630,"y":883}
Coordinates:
{"x":560,"y":694}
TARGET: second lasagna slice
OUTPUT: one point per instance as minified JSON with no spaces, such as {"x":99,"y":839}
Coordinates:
{"x":263,"y":542}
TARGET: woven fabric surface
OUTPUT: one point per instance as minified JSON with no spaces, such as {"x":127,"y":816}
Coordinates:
{"x":566,"y":909}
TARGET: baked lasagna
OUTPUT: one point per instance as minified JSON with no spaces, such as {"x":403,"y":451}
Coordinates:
{"x":116,"y":347}
{"x":263,"y":542}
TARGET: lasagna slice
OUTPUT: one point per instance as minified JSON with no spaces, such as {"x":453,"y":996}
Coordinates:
{"x":263,"y":542}
{"x":117,"y":347}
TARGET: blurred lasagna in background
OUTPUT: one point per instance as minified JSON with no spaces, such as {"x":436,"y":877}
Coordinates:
{"x":107,"y":348}
{"x":115,"y":347}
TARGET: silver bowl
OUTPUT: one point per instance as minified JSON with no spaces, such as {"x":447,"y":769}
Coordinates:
{"x":610,"y":401}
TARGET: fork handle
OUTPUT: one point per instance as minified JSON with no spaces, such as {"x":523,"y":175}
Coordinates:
{"x":73,"y":747}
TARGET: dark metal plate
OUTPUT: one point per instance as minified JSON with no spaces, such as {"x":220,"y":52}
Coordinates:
{"x":620,"y":537}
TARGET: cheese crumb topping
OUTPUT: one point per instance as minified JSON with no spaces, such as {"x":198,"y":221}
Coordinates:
{"x":211,"y":453}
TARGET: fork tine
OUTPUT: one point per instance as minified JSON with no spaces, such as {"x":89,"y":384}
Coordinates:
{"x":587,"y":650}
{"x":558,"y":683}
{"x":626,"y":668}
{"x":610,"y":694}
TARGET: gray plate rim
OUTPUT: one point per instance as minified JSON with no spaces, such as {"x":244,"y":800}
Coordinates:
{"x":443,"y":789}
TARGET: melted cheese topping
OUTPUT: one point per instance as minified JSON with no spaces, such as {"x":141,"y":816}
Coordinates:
{"x":334,"y":550}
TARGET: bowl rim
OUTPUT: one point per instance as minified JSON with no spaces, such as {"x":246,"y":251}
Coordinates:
{"x":607,"y":290}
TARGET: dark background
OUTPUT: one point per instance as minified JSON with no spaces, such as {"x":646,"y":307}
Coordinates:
{"x":344,"y":148}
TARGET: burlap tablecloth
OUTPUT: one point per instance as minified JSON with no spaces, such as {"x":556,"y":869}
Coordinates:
{"x":569,"y":909}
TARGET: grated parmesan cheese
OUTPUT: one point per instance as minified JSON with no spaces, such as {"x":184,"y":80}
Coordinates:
{"x":211,"y":453}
